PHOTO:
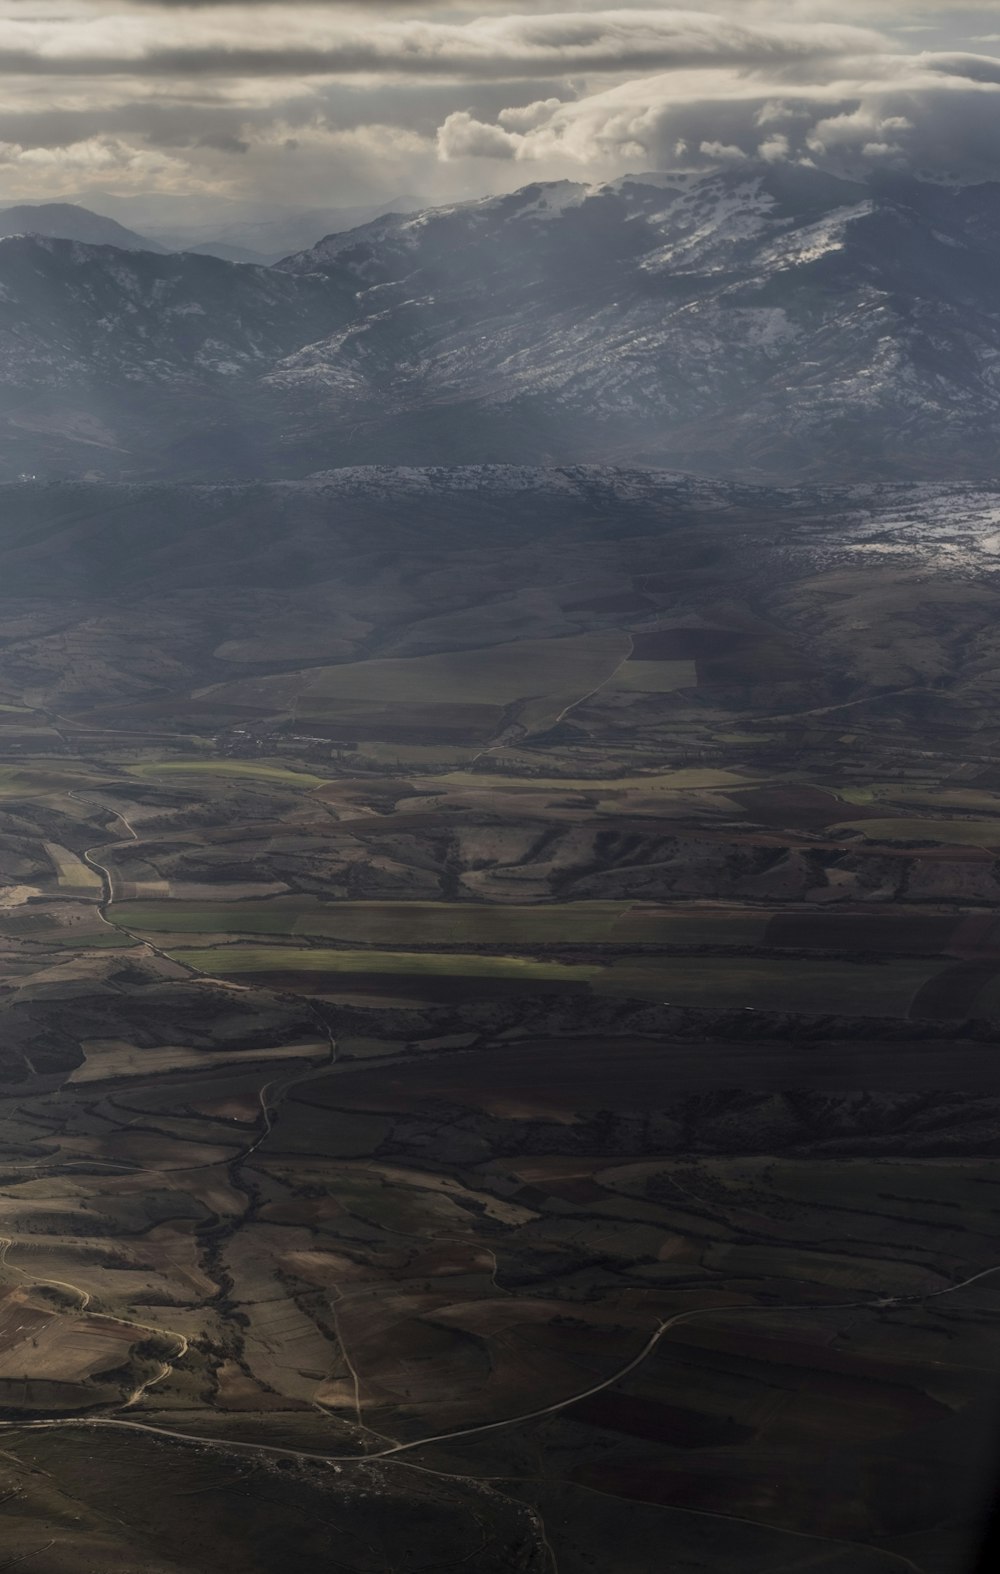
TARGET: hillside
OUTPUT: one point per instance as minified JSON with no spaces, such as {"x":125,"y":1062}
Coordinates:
{"x":758,"y":321}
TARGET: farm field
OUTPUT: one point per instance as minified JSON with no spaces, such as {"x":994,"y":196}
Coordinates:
{"x":72,"y":873}
{"x":393,"y":924}
{"x":499,"y":1074}
{"x":973,"y":833}
{"x":237,"y":960}
{"x":238,"y":770}
{"x":845,"y":988}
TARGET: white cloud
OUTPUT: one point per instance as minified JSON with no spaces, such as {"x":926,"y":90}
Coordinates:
{"x":721,"y":152}
{"x":775,"y":149}
{"x":43,"y":172}
{"x":928,"y":110}
{"x":462,"y":136}
{"x":526,"y":117}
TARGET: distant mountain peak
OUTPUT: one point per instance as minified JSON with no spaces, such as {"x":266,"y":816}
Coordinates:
{"x":67,"y":221}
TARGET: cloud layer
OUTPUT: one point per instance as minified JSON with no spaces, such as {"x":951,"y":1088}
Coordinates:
{"x":334,"y":101}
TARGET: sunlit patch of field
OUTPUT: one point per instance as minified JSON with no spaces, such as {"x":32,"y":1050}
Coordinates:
{"x":237,"y":960}
{"x":73,"y":874}
{"x":689,"y":779}
{"x":850,"y":988}
{"x":114,"y":1277}
{"x":249,"y":770}
{"x":108,"y":1059}
{"x":67,"y":1350}
{"x":451,"y":923}
{"x":924,"y":795}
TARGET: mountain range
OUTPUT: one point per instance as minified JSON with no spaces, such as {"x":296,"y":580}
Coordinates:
{"x":765,"y":321}
{"x":267,"y":238}
{"x":67,"y":221}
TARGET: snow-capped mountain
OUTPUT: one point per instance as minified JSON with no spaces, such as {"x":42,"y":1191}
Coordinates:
{"x":766,"y":321}
{"x":130,"y":363}
{"x":775,"y":320}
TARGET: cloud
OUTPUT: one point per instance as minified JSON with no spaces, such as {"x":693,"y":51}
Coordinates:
{"x":936,"y":113}
{"x":34,"y":171}
{"x":525,"y":117}
{"x":977,"y":68}
{"x":775,"y":149}
{"x":721,"y":152}
{"x":296,"y":41}
{"x":342,"y":100}
{"x":462,"y":136}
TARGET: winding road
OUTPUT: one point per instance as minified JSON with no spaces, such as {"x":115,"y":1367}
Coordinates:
{"x":463,"y":1434}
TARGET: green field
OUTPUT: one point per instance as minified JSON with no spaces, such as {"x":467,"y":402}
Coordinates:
{"x":962,"y":833}
{"x":497,"y":675}
{"x":848,"y":988}
{"x":443,"y":923}
{"x":545,"y":675}
{"x":252,"y":770}
{"x":691,"y":779}
{"x":893,"y":796}
{"x":235,"y":960}
{"x":282,"y":916}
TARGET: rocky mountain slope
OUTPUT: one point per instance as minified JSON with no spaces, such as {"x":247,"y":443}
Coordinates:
{"x":773,"y":323}
{"x":128,"y":362}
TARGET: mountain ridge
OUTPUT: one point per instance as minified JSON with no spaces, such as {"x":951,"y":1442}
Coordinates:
{"x":766,"y":322}
{"x":68,"y":221}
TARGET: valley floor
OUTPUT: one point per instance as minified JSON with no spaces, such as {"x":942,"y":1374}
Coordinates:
{"x":498,"y":1015}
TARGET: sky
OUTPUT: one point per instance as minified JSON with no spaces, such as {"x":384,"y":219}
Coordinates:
{"x":320,"y":103}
